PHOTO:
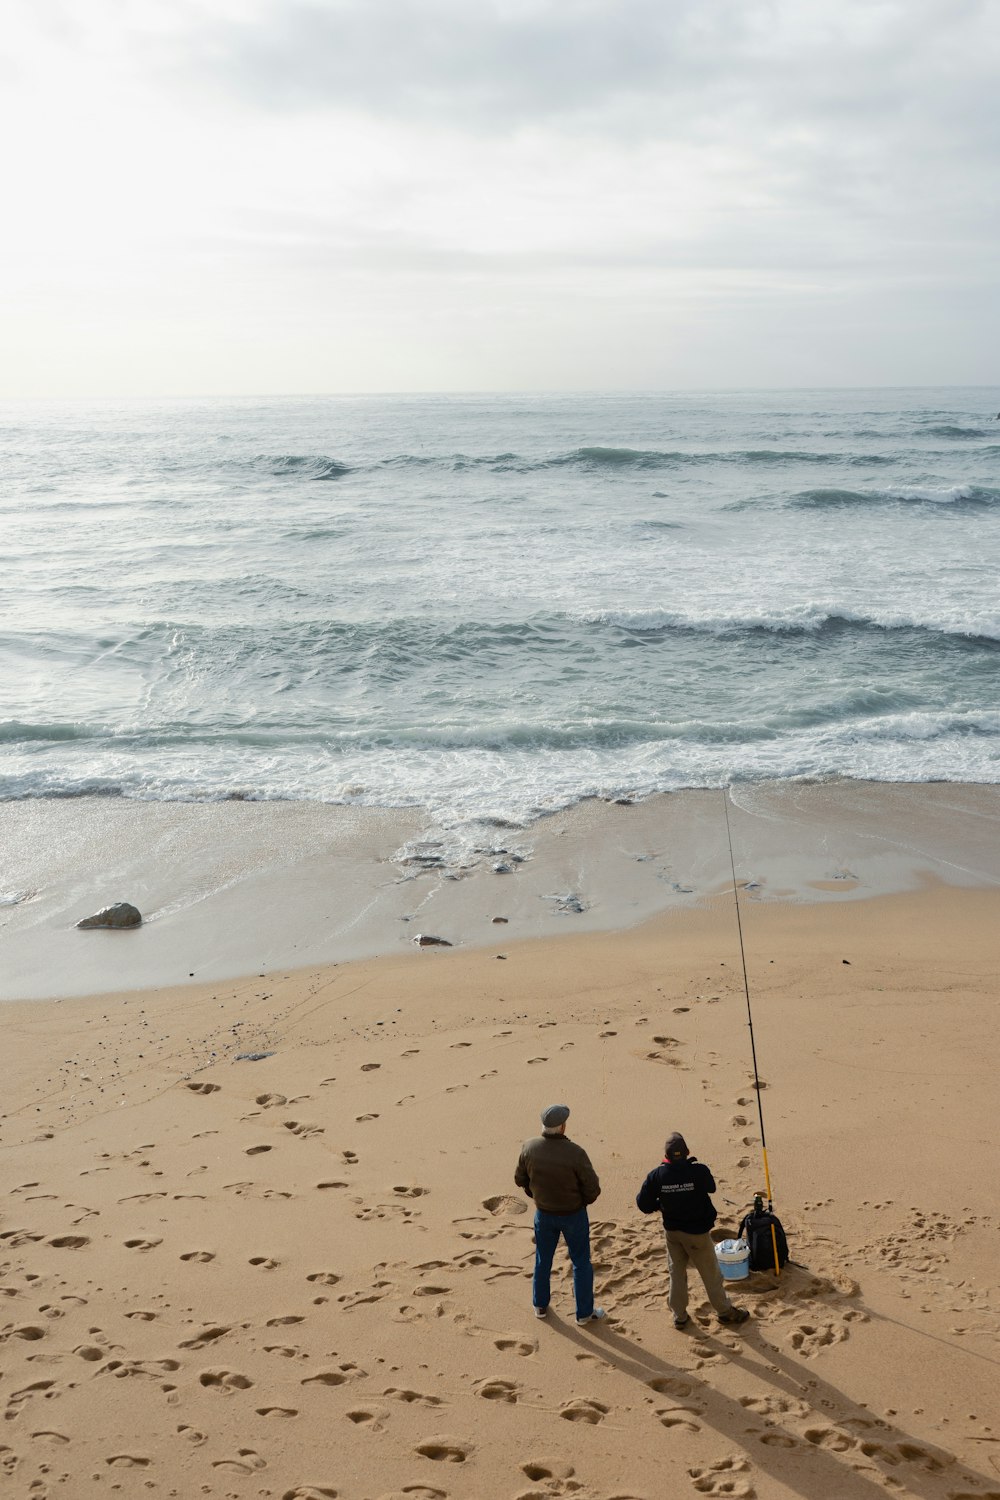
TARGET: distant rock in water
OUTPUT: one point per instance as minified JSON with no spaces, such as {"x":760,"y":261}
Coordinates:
{"x":424,"y":940}
{"x":570,"y":902}
{"x":119,"y":915}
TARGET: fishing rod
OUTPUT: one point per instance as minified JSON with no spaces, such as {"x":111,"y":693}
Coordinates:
{"x":753,"y":1045}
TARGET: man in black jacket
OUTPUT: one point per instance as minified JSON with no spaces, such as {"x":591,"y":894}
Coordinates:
{"x":679,"y":1187}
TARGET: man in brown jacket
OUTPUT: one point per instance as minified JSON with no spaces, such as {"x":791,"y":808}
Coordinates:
{"x":556,"y":1173}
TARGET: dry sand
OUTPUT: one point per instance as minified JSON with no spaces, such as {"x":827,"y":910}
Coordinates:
{"x":309,"y":1275}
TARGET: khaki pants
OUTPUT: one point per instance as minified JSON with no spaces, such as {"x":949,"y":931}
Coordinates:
{"x":697,"y":1250}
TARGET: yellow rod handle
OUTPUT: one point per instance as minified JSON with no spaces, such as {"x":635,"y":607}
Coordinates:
{"x":767,"y":1174}
{"x":774,"y":1237}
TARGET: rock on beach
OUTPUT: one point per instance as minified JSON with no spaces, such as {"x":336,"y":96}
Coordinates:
{"x":121,"y":914}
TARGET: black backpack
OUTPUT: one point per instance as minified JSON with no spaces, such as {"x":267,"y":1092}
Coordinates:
{"x":756,"y":1230}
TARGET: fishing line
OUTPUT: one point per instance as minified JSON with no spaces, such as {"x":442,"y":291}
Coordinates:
{"x":753,"y":1044}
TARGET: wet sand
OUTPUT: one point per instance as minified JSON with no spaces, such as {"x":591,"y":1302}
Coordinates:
{"x":232,"y":888}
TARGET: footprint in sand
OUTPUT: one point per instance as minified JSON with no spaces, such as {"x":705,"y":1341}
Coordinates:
{"x":14,"y":1238}
{"x":203,"y":1088}
{"x":336,"y":1183}
{"x":717,"y":1478}
{"x":583,"y":1409}
{"x":829,"y":1438}
{"x":370,"y":1067}
{"x":372,"y":1421}
{"x":775,"y":1406}
{"x":363,"y":1119}
{"x":142,"y":1244}
{"x":311,"y":1492}
{"x":62,"y":1241}
{"x":270,"y":1101}
{"x":224,"y":1381}
{"x":257,"y":1150}
{"x":191,"y":1434}
{"x":302,"y":1127}
{"x":497,"y":1390}
{"x":334,"y":1377}
{"x":407,"y":1191}
{"x":324,"y":1278}
{"x":680,"y":1416}
{"x":277,"y":1411}
{"x":509,"y":1343}
{"x":38,"y":1388}
{"x":128,"y":1461}
{"x":206,"y":1336}
{"x":444,"y":1449}
{"x":199,"y":1257}
{"x":412,"y":1397}
{"x":245,"y":1462}
{"x":505,"y":1203}
{"x":666,"y":1385}
{"x":263,"y":1262}
{"x":547,"y":1468}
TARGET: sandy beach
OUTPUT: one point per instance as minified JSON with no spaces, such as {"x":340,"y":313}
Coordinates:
{"x":308,"y":1275}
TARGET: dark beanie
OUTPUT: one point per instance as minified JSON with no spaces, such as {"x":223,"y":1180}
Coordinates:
{"x":676,"y":1147}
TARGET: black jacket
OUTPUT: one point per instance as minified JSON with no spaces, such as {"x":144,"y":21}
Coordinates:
{"x":680,"y":1191}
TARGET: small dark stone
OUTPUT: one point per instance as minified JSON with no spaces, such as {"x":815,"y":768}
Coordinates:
{"x":499,"y":919}
{"x":121,"y":914}
{"x":425,"y":940}
{"x":845,"y":961}
{"x":251,"y":1056}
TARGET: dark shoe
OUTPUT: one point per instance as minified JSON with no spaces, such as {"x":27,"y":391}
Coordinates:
{"x":738,"y":1315}
{"x":595,"y":1317}
{"x":682,"y":1322}
{"x":541,"y":1312}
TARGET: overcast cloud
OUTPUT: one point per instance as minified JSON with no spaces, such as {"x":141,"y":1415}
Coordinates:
{"x":390,"y":195}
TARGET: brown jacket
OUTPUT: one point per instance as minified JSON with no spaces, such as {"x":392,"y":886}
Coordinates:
{"x":557,"y":1174}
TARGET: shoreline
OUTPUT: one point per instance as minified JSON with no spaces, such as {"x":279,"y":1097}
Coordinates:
{"x":236,"y":888}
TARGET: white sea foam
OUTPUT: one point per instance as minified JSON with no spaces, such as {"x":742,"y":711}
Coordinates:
{"x":494,"y":608}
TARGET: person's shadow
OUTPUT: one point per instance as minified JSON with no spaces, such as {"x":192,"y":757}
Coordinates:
{"x":845,"y":1453}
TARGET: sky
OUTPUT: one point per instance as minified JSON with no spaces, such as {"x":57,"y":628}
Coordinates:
{"x":297,"y":196}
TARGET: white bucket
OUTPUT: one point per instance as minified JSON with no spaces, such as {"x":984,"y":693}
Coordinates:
{"x":734,"y":1259}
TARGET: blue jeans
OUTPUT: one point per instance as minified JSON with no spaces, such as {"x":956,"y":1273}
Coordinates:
{"x":575,"y":1229}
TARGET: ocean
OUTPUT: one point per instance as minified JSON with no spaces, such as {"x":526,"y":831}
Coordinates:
{"x":493,"y":607}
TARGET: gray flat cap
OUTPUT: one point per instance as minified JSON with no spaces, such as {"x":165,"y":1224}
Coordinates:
{"x":556,"y":1114}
